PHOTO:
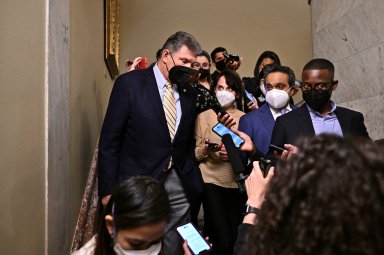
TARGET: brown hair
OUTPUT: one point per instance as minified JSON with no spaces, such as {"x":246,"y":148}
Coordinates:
{"x":328,"y":199}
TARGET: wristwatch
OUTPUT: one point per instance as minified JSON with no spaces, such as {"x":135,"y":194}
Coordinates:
{"x":251,"y":209}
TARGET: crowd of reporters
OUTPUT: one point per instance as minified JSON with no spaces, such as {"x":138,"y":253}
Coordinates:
{"x":322,"y":193}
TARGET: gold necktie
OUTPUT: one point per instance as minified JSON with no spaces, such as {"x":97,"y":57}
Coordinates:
{"x":170,"y":109}
{"x":169,"y":106}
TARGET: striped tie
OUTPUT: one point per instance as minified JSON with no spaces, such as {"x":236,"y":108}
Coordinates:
{"x":170,"y":109}
{"x":170,"y":114}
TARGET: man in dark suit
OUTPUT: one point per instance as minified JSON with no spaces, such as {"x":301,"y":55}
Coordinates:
{"x":319,"y":114}
{"x":258,"y":124}
{"x":141,"y":135}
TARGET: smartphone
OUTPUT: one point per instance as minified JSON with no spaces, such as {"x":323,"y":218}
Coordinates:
{"x":278,"y":149}
{"x":218,"y":109}
{"x":196,"y":243}
{"x":221,"y":130}
{"x":211,"y":145}
{"x":249,"y":96}
{"x":143,"y":63}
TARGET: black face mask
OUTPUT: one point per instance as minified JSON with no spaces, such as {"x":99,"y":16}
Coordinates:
{"x":221,"y":65}
{"x":316,"y":99}
{"x":181,"y":75}
{"x":203,"y":73}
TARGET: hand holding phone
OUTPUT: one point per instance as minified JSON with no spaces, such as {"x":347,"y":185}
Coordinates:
{"x":278,"y":149}
{"x":143,"y":63}
{"x":249,"y":96}
{"x":196,"y":243}
{"x":221,"y":130}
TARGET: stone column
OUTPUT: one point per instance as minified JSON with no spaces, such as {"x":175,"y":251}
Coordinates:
{"x":58,"y":236}
{"x":350,"y":33}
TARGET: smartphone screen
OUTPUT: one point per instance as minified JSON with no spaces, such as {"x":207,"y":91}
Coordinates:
{"x":221,"y":130}
{"x":249,"y":96}
{"x":196,"y":242}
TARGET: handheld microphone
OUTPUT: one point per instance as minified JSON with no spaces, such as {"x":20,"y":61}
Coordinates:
{"x":218,"y":109}
{"x":235,"y":160}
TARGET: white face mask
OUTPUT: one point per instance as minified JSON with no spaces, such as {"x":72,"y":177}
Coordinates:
{"x":152,"y":250}
{"x":225,"y":98}
{"x":277,"y":98}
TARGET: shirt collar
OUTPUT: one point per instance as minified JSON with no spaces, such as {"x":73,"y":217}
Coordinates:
{"x":316,"y":113}
{"x":160,"y":79}
{"x":276,"y":111}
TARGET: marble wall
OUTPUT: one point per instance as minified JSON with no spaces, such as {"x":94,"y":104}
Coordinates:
{"x":58,"y":236}
{"x":350,"y":33}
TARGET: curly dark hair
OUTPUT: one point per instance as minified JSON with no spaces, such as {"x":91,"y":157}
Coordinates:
{"x":328,"y":199}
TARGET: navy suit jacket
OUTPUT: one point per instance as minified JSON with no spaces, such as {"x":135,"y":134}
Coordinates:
{"x":258,"y":125}
{"x":295,"y":124}
{"x":135,"y":139}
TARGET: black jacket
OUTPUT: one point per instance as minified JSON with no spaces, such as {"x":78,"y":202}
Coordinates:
{"x":297,"y":123}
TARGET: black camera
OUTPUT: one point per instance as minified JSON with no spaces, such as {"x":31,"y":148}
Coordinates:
{"x":231,"y":57}
{"x":265,"y":165}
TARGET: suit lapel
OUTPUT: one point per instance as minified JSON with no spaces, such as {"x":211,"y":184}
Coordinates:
{"x":345,"y":128}
{"x":185,"y":103}
{"x":267,"y":118}
{"x":304,"y":119}
{"x":155,"y":100}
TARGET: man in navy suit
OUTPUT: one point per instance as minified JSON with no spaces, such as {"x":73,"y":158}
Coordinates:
{"x":319,"y":114}
{"x":135,"y":138}
{"x":258,"y":124}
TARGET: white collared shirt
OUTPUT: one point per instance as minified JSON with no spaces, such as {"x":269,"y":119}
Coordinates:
{"x":161,"y":81}
{"x":277,"y":112}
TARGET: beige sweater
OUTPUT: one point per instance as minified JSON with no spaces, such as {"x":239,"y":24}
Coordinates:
{"x":213,"y":169}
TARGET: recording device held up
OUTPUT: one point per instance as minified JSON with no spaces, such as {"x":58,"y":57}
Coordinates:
{"x":241,"y":173}
{"x":265,"y":165}
{"x":236,"y":163}
{"x":230,"y":57}
{"x":211,"y":145}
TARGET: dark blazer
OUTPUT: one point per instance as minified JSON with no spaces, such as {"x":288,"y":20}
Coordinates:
{"x":258,"y":124}
{"x":135,"y":139}
{"x":295,"y":124}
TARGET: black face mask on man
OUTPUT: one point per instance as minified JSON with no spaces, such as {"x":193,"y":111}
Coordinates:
{"x":180,"y":75}
{"x":317,"y":98}
{"x":221,"y":65}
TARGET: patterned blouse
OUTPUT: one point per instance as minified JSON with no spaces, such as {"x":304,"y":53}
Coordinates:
{"x":205,"y":98}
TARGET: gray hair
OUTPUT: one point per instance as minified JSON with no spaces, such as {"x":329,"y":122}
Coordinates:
{"x":179,"y":39}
